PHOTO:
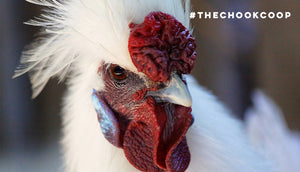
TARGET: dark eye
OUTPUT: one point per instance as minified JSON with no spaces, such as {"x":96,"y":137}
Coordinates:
{"x":118,"y":72}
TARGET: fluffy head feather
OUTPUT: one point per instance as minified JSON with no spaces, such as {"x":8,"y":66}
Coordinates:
{"x":77,"y":37}
{"x":87,"y":31}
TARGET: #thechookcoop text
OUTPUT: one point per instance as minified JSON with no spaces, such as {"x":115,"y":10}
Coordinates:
{"x":240,"y":15}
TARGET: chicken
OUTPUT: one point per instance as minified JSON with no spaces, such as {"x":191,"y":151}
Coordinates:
{"x":130,"y":103}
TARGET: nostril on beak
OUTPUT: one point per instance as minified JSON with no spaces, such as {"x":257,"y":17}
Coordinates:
{"x":173,"y":91}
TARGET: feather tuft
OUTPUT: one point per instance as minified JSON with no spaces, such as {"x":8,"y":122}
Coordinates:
{"x":84,"y":32}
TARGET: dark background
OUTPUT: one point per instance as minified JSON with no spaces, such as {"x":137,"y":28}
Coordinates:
{"x":234,"y":57}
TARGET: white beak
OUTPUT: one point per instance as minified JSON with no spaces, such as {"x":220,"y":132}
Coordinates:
{"x":176,"y":92}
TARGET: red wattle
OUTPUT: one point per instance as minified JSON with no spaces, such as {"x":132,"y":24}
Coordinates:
{"x":155,"y":139}
{"x":142,"y":138}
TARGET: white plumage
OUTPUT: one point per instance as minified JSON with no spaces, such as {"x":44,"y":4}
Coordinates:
{"x":268,"y":131}
{"x":77,"y":37}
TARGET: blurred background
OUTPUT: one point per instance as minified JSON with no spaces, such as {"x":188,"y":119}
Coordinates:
{"x":234,"y":58}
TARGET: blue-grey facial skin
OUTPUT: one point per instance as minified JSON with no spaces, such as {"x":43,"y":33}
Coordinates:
{"x":108,"y":122}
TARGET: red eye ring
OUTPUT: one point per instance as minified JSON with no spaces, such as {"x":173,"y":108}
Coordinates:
{"x":118,"y":73}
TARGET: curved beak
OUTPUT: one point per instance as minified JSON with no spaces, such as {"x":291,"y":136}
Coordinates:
{"x":176,"y":92}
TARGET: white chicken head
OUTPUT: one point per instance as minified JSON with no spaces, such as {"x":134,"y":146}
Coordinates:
{"x":148,"y":115}
{"x":140,"y":55}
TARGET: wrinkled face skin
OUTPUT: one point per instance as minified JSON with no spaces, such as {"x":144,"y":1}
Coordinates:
{"x":150,"y":132}
{"x":148,"y":115}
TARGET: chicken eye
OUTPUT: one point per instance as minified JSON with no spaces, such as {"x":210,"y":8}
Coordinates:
{"x":118,"y":72}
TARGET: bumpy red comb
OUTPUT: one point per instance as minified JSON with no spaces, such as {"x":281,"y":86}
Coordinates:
{"x":160,"y":45}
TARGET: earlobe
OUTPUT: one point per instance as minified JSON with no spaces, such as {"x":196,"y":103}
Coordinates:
{"x":108,"y":122}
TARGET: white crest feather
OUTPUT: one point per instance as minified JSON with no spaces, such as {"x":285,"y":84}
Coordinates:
{"x":86,"y":31}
